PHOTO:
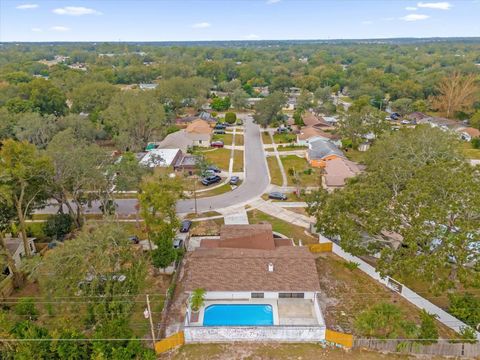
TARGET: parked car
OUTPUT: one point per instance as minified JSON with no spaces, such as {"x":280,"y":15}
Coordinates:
{"x":208,"y":173}
{"x":177,"y":243}
{"x":405,"y":122}
{"x":277,"y":196}
{"x":185,"y":226}
{"x":211,"y":180}
{"x":214,"y":168}
{"x":217,"y":144}
{"x":220,"y":126}
{"x":394,"y":116}
{"x":219,"y":132}
{"x":234,"y":180}
{"x":134,"y":239}
{"x":282,"y":130}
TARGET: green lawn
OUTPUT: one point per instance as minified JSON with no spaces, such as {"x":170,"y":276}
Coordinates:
{"x":284,"y":138}
{"x":266,"y":138}
{"x":238,"y":161}
{"x":291,"y":147}
{"x":292,"y":231}
{"x":239,"y":139}
{"x":356,"y":156}
{"x":217,"y":191}
{"x":275,"y":173}
{"x":469,"y":152}
{"x":226,"y":138}
{"x":300,"y":166}
{"x":219,"y":157}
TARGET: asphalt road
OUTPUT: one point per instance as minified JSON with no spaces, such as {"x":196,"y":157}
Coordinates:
{"x":255,"y":183}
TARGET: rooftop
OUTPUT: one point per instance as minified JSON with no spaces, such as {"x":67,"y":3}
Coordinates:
{"x":160,"y":157}
{"x":320,"y":148}
{"x":310,"y":132}
{"x":338,"y":170}
{"x":224,"y":269}
{"x":199,"y":126}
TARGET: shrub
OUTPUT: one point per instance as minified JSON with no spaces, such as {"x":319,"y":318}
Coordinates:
{"x":57,"y":226}
{"x":172,"y":128}
{"x":476,"y":143}
{"x":428,"y":332}
{"x":465,"y":307}
{"x":26,"y":307}
{"x":230,"y":117}
{"x":351,"y":265}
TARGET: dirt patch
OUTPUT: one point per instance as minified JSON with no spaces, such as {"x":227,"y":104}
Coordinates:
{"x":206,"y":228}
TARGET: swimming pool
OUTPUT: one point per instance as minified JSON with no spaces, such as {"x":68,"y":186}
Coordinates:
{"x":238,"y":315}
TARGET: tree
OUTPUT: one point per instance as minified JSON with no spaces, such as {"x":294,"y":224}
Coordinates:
{"x":323,"y":94}
{"x":92,"y":97}
{"x":36,"y":129}
{"x":383,"y":321}
{"x":58,"y":225}
{"x":8,"y":215}
{"x":79,"y":172}
{"x":25,"y":178}
{"x":197,"y":299}
{"x":268,"y":109}
{"x":305,"y":100}
{"x":129,"y":172}
{"x":465,"y":307}
{"x":164,"y":254}
{"x":475,"y":120}
{"x":239,"y":99}
{"x":428,"y":332}
{"x":402,"y":106}
{"x":135,"y":119}
{"x":221,"y":104}
{"x":353,"y":127}
{"x":26,"y":307}
{"x":45,"y":97}
{"x":230,"y":118}
{"x":178,"y":92}
{"x":455,"y":93}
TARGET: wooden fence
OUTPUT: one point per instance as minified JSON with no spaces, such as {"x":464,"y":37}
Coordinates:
{"x":346,"y":340}
{"x":441,"y":348}
{"x":322,"y":247}
{"x":170,"y":342}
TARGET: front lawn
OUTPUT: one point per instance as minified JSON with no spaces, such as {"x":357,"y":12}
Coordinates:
{"x":238,"y":161}
{"x":226,"y":138}
{"x":284,"y":138}
{"x":291,"y":148}
{"x":355,"y":155}
{"x":217,"y":191}
{"x":275,"y":173}
{"x":292,"y":231}
{"x":469,"y":151}
{"x":306,"y":175}
{"x":218,"y":157}
{"x":239,"y":139}
{"x":266,"y":138}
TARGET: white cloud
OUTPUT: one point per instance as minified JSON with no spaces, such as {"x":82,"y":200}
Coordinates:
{"x":414,"y":17}
{"x":367,"y":22}
{"x":252,"y":37}
{"x":37,"y":30}
{"x":435,"y":5}
{"x":411,"y":8}
{"x":76,"y":11}
{"x":202,"y":25}
{"x":272,"y":1}
{"x":59,"y":28}
{"x":27,"y":6}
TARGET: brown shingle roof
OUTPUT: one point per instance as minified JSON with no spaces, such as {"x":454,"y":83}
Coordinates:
{"x":309,"y":132}
{"x":219,"y":269}
{"x":199,"y":126}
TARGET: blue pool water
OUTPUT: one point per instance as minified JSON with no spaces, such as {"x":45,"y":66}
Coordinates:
{"x":238,"y":315}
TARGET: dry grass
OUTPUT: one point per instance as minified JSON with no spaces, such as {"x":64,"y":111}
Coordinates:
{"x":345,"y":293}
{"x":219,"y":157}
{"x":206,"y":228}
{"x":266,"y":138}
{"x":238,"y":161}
{"x":275,"y":173}
{"x":239,"y":140}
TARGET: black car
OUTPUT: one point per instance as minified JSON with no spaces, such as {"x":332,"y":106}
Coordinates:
{"x":185,"y":227}
{"x":219,"y":132}
{"x":214,"y":169}
{"x":277,"y":196}
{"x":234,"y":180}
{"x":394,"y":116}
{"x":211,"y":180}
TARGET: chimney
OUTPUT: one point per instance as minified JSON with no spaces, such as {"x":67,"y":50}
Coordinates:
{"x":270,"y":267}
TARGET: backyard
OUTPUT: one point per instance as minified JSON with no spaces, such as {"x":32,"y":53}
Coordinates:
{"x":298,"y":168}
{"x":226,"y":138}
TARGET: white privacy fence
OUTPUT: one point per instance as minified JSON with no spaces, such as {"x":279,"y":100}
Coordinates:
{"x":411,"y":296}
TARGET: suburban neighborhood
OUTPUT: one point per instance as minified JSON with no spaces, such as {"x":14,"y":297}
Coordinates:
{"x":250,"y":199}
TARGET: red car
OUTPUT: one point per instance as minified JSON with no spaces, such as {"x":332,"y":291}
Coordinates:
{"x":217,"y":144}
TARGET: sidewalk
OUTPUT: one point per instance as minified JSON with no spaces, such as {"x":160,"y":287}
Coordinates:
{"x":274,"y":210}
{"x":280,"y":164}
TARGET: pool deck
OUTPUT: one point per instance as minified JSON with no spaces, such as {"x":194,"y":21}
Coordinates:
{"x":298,"y":312}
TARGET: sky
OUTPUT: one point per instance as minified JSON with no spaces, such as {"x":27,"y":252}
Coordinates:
{"x":195,"y":20}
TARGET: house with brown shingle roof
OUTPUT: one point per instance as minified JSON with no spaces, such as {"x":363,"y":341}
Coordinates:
{"x":256,"y":288}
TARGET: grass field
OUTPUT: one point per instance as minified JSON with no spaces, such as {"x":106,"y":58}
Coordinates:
{"x":219,"y":157}
{"x":292,"y":231}
{"x":299,"y":165}
{"x":275,"y":174}
{"x":356,"y":156}
{"x":239,"y":139}
{"x":291,"y":147}
{"x":226,"y":138}
{"x":469,"y":152}
{"x":266,"y":138}
{"x":238,"y":161}
{"x":217,"y":191}
{"x":284,"y":138}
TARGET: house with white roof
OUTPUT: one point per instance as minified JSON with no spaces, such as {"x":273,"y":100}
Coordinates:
{"x":161,"y":157}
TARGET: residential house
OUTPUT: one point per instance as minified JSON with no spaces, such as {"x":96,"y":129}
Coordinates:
{"x":247,"y":269}
{"x":320,"y":151}
{"x":308,"y":133}
{"x":310,"y":119}
{"x":187,"y":163}
{"x":200,"y":132}
{"x":337,"y":171}
{"x":161,"y":157}
{"x":416,"y":116}
{"x":469,"y":133}
{"x":16,"y":248}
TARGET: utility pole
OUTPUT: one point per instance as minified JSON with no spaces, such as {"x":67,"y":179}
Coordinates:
{"x":195,"y":178}
{"x":149,"y":311}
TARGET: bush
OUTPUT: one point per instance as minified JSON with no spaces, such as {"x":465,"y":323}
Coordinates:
{"x":219,"y":104}
{"x":476,"y":143}
{"x":428,"y":332}
{"x":230,"y":117}
{"x":172,"y":128}
{"x":465,"y":307}
{"x":351,"y":265}
{"x":26,"y":307}
{"x":57,"y":226}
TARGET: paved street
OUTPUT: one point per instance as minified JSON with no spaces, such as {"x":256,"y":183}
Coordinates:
{"x":255,"y":184}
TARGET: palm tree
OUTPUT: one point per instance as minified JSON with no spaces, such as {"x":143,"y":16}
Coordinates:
{"x":197,"y":299}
